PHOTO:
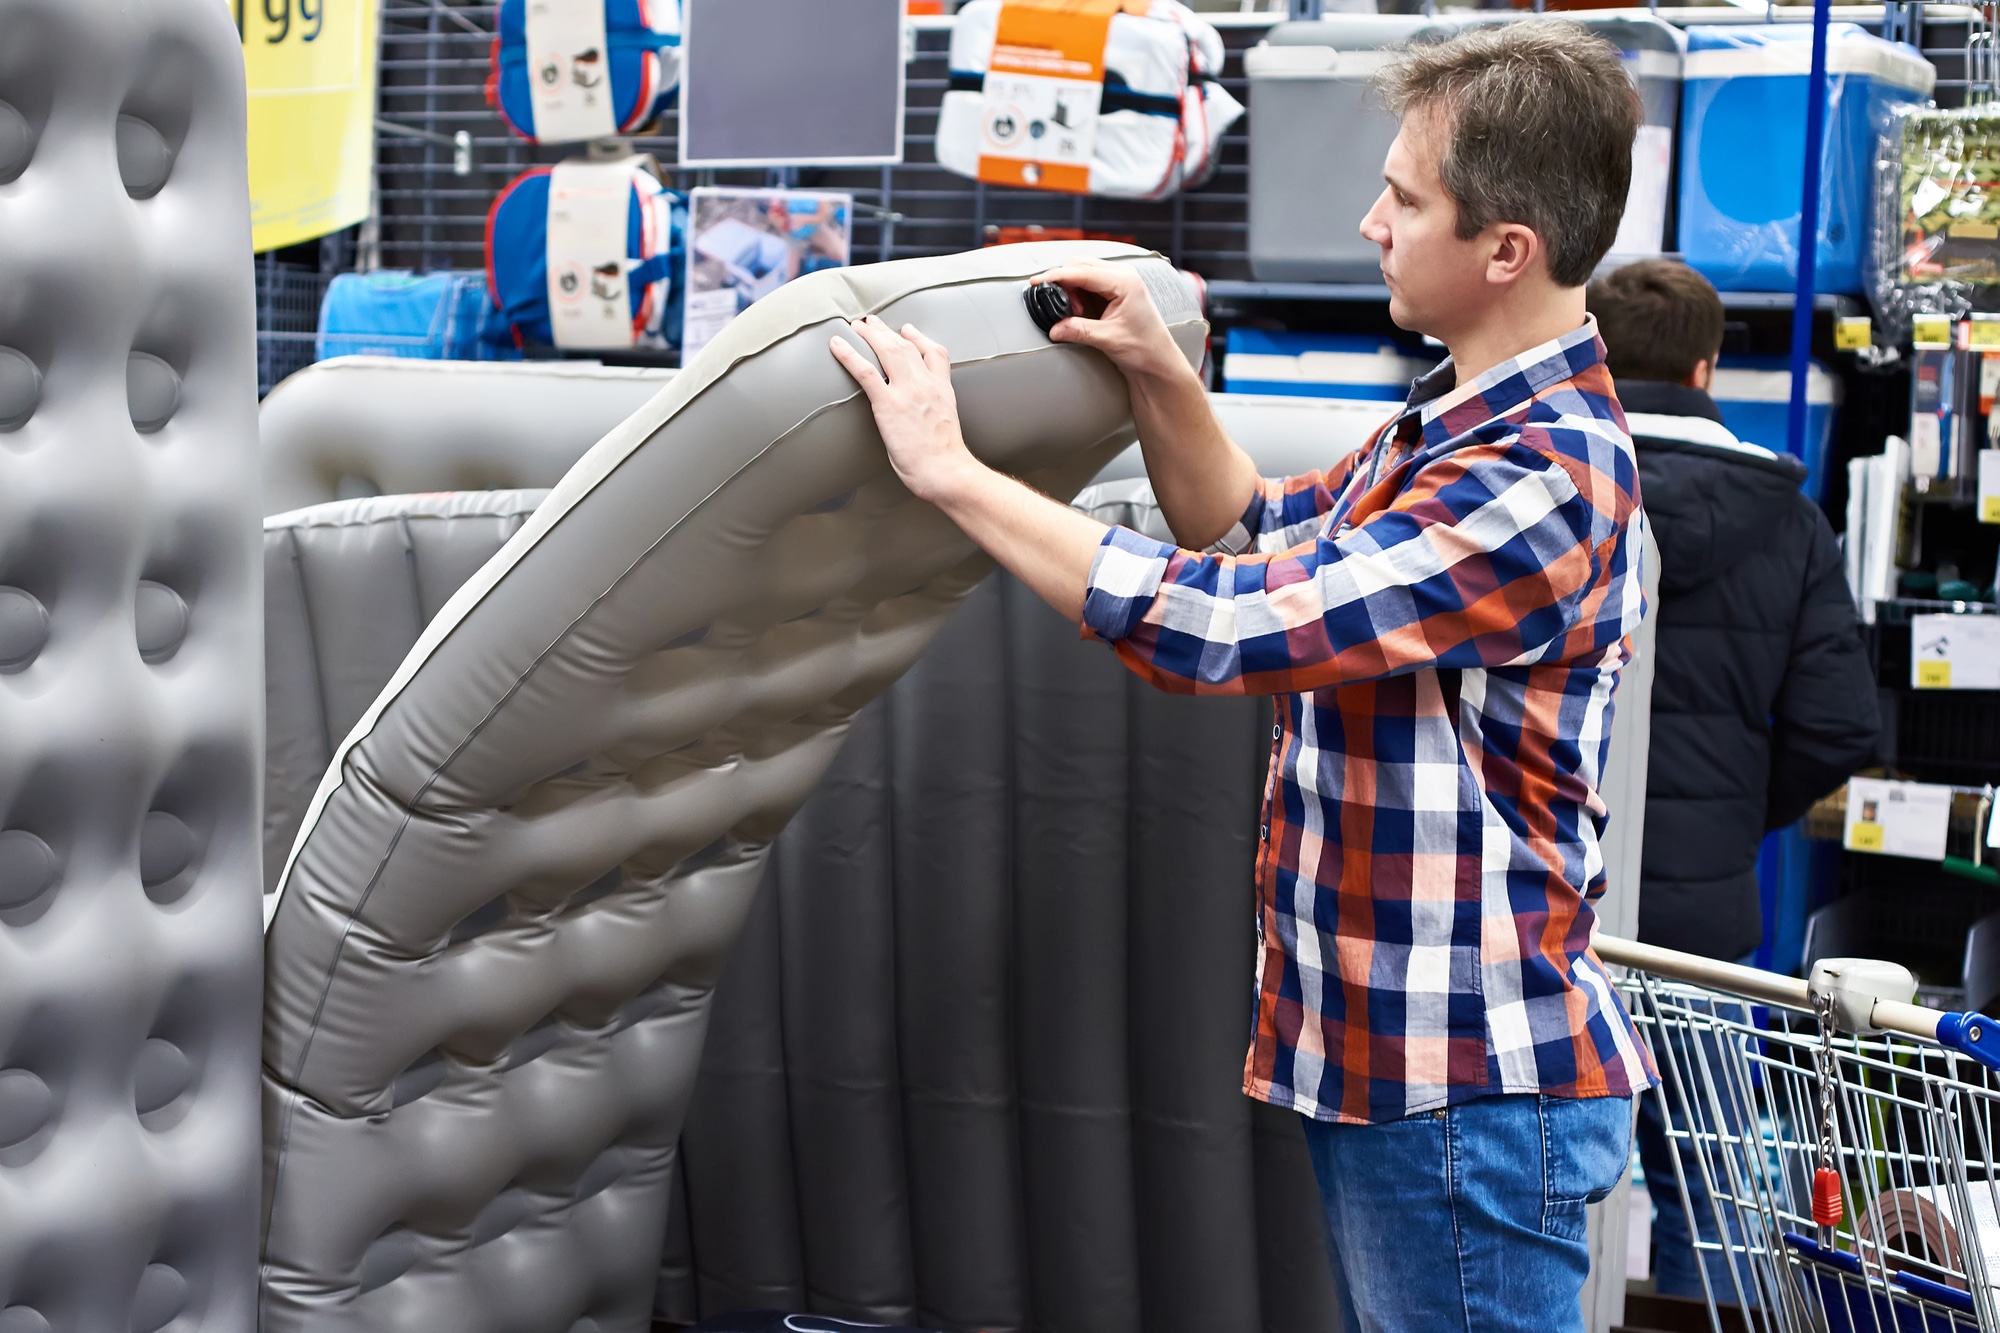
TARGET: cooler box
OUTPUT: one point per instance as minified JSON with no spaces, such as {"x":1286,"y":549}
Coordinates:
{"x":1743,"y":134}
{"x":1755,"y":395}
{"x":1320,"y":134}
{"x":1319,"y":365}
{"x":433,"y":316}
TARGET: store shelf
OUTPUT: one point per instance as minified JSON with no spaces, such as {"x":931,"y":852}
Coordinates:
{"x":1831,"y":302}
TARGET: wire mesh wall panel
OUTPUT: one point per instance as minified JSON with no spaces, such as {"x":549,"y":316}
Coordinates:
{"x":288,"y":297}
{"x":435,"y":57}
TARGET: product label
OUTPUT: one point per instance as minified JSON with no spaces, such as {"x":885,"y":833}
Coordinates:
{"x":1950,"y":652}
{"x":1851,"y":333}
{"x":589,"y":213}
{"x":1930,"y":330}
{"x":569,"y":71}
{"x":1897,"y":818}
{"x":1983,"y":331}
{"x":1043,"y":89}
{"x":1989,"y":486}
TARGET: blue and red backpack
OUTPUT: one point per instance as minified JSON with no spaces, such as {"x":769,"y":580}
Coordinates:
{"x":517,"y":259}
{"x":642,"y":38}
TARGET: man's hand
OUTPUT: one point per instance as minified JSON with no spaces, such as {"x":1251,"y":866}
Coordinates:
{"x":914,"y":406}
{"x":1129,"y":331}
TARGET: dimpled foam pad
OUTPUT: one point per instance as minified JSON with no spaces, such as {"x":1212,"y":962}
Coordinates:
{"x":384,"y":425}
{"x":490,"y":962}
{"x":129,"y":668}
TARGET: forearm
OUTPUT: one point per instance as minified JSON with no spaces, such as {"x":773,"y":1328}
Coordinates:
{"x":1048,"y":546}
{"x":1202,"y":480}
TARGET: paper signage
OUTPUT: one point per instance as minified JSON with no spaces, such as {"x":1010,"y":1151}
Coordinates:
{"x":745,"y":244}
{"x":1983,"y":332}
{"x":1950,"y":652}
{"x":1930,"y":331}
{"x":1897,"y":818}
{"x":590,"y":204}
{"x":569,"y":71}
{"x":310,"y":74}
{"x":1989,"y":486}
{"x":1044,"y":85}
{"x":1851,"y":333}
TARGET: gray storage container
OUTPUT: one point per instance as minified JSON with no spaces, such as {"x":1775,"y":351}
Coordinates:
{"x":1318,"y":134}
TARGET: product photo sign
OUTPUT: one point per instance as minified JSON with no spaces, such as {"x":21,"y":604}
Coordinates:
{"x":1043,"y":89}
{"x":1897,"y":818}
{"x":745,"y":244}
{"x":1950,"y":652}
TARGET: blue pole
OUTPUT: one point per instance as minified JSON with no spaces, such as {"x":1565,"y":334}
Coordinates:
{"x":1802,"y":304}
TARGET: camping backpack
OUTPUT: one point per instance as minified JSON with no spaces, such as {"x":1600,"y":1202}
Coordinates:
{"x":589,"y":255}
{"x":566,"y":71}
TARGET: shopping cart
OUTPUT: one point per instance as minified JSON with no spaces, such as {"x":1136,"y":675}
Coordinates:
{"x":1834,"y":1143}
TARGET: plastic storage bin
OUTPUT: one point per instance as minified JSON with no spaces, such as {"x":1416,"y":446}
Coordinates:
{"x":1319,"y":134}
{"x":1743,"y":150}
{"x":1319,"y":365}
{"x":1755,"y":395}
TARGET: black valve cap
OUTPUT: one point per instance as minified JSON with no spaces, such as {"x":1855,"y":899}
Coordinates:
{"x":1048,"y":305}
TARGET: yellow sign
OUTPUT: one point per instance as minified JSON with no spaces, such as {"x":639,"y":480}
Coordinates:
{"x":1982,"y":332}
{"x":1851,"y":333}
{"x":1865,"y":837}
{"x":310,"y":65}
{"x":1931,"y":330}
{"x":1934,"y":675}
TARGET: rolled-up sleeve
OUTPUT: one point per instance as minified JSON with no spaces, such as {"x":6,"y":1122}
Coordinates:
{"x":1489,"y":557}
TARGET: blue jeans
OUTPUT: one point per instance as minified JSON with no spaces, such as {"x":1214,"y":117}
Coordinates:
{"x":1469,"y":1218}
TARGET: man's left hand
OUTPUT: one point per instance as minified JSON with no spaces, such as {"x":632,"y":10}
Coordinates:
{"x":914,"y":406}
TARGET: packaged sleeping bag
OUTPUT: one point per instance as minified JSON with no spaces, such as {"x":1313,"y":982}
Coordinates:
{"x":589,"y":255}
{"x":566,"y":71}
{"x":1105,"y":97}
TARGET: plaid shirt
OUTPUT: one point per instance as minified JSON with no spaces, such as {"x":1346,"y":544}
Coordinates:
{"x":1442,"y":618}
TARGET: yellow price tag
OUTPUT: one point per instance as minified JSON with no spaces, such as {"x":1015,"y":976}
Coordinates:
{"x":1865,"y":837}
{"x":1982,"y":332}
{"x":1851,"y":333}
{"x":1934,"y":675}
{"x":1989,"y":509}
{"x":1931,"y":330}
{"x":310,"y":70}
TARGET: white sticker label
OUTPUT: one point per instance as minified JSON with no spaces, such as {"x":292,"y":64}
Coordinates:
{"x":1989,"y":486}
{"x":1955,"y":652}
{"x":706,"y":315}
{"x":590,"y":206}
{"x":1925,"y":445}
{"x":569,"y":71}
{"x":1643,"y":229}
{"x":1047,"y":125}
{"x":1897,"y":818}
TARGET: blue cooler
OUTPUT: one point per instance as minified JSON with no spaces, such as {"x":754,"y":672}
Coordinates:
{"x":1743,"y":133}
{"x":442,"y":316}
{"x":1755,"y":395}
{"x":1319,"y":365}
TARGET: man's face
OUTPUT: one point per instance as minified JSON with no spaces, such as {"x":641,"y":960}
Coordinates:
{"x":1436,"y":280}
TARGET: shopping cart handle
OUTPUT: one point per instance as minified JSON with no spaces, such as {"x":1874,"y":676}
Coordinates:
{"x":1973,"y":1034}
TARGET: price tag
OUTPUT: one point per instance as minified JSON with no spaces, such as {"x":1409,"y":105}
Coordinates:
{"x":1931,"y":331}
{"x":1897,"y":818}
{"x":1044,"y":83}
{"x":1851,"y":333}
{"x":1955,"y":652}
{"x":1989,"y":486}
{"x":1983,"y":332}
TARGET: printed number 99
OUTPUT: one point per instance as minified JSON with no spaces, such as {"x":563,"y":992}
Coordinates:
{"x":278,"y":17}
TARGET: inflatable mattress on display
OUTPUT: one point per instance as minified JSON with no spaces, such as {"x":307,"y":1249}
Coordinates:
{"x":491,"y":952}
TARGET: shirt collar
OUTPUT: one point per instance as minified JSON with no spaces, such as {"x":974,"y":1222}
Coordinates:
{"x":1447,"y":412}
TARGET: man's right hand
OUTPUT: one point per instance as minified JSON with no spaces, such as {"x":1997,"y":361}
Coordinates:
{"x":1130,"y":331}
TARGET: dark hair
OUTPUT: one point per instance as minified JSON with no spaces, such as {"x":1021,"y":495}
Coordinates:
{"x":1659,"y":319}
{"x":1540,"y":117}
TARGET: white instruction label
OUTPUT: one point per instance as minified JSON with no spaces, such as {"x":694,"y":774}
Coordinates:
{"x":1897,"y":818}
{"x":569,"y":71}
{"x":590,"y":206}
{"x":1643,"y":229}
{"x":1955,"y":652}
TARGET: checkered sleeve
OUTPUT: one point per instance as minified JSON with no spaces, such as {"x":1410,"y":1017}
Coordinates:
{"x":1489,"y":557}
{"x":1285,"y":510}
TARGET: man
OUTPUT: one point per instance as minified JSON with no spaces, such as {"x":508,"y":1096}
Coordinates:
{"x":1763,"y":700}
{"x":1442,"y":619}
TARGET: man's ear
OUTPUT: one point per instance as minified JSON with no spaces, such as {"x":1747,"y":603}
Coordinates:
{"x":1515,"y":250}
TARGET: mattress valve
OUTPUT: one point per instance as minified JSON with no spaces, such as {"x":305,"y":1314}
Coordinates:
{"x":1048,"y":305}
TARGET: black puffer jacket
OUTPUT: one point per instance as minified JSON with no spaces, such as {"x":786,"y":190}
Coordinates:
{"x":1763,"y":700}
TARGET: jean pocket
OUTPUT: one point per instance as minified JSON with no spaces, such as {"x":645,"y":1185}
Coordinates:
{"x":1586,"y":1150}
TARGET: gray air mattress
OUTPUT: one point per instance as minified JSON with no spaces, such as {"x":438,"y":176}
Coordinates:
{"x":129,"y":670}
{"x":492,"y":951}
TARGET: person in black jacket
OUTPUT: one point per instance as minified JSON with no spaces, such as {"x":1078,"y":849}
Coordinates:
{"x":1763,"y":699}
